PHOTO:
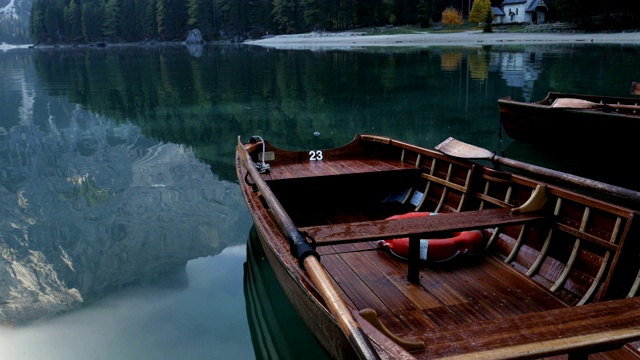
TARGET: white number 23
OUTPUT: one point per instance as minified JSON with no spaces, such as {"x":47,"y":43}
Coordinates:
{"x":315,"y":155}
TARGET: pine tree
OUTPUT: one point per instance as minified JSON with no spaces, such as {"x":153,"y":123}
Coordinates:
{"x":73,"y":21}
{"x":194,"y":12}
{"x":284,"y":15}
{"x":161,"y":18}
{"x":91,"y":21}
{"x":36,"y":22}
{"x":112,"y":19}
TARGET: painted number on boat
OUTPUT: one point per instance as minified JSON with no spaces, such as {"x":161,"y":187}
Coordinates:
{"x":315,"y":155}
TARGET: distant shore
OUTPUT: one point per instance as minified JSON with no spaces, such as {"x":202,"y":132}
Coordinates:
{"x":467,"y":38}
{"x":354,"y":40}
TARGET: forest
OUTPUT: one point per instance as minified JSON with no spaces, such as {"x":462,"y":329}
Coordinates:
{"x":87,"y":21}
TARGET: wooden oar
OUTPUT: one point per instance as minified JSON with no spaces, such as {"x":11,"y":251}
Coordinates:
{"x":310,"y":262}
{"x":459,"y":149}
{"x":571,"y":103}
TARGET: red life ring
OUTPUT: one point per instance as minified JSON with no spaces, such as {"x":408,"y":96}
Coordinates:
{"x":465,"y":242}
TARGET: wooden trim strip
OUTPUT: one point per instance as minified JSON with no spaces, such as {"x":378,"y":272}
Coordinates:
{"x":446,"y":183}
{"x":492,"y":200}
{"x":585,"y":236}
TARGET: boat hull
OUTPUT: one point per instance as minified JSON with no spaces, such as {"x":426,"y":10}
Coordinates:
{"x":540,"y":123}
{"x":547,"y":249}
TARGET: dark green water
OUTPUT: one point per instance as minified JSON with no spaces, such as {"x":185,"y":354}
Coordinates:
{"x":120,"y":210}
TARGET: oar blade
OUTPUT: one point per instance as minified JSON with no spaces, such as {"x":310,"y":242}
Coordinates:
{"x":459,"y":149}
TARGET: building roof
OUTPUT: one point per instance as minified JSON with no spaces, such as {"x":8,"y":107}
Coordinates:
{"x":513,"y":2}
{"x":535,"y":3}
{"x":497,"y":11}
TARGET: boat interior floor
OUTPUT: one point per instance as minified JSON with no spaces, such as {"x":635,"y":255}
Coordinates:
{"x":449,"y":296}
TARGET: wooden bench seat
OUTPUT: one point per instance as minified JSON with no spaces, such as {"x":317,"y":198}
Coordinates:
{"x":336,"y":167}
{"x":416,"y":228}
{"x":578,"y":330}
{"x":430,"y":226}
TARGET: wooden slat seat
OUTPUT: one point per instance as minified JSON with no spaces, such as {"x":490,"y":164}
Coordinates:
{"x":430,"y":226}
{"x":576,"y":330}
{"x":416,"y":228}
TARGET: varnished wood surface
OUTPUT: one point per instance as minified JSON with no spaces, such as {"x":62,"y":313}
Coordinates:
{"x":432,"y":226}
{"x":480,"y":306}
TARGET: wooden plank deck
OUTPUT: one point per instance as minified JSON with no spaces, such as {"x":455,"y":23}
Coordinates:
{"x":478,"y":299}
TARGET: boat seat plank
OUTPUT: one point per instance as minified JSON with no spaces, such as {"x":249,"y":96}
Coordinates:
{"x":432,"y":226}
{"x":334,"y":167}
{"x":581,"y":329}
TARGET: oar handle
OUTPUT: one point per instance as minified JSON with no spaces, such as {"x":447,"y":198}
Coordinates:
{"x":569,"y":178}
{"x":310,"y":262}
{"x":350,"y":327}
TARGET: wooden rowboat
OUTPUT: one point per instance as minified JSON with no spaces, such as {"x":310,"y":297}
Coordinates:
{"x":571,"y":118}
{"x":557,"y":271}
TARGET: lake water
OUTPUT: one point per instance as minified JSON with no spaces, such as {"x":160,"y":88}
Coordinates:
{"x":123,"y":233}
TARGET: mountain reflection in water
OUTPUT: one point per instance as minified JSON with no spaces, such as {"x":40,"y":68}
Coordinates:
{"x":205,"y":320}
{"x":90,"y":206}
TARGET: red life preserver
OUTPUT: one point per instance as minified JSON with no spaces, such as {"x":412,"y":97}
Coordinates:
{"x":465,"y":242}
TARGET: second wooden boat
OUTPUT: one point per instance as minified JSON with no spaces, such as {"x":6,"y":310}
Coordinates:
{"x":557,"y":271}
{"x":571,"y":118}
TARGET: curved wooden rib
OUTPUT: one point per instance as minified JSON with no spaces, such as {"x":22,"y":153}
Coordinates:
{"x":408,"y":344}
{"x":444,"y":191}
{"x":545,"y":247}
{"x":467,"y":181}
{"x":485,"y":192}
{"x":497,"y":230}
{"x":596,"y":281}
{"x":426,"y":189}
{"x":535,"y":202}
{"x":574,"y":253}
{"x":418,"y":160}
{"x":518,"y":244}
{"x":567,"y":267}
{"x":603,"y":266}
{"x":636,"y":285}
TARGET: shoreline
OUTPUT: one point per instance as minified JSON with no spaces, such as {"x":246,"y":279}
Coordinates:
{"x":467,"y":38}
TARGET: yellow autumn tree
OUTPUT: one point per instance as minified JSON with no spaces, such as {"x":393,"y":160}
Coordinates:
{"x":479,"y":11}
{"x":451,"y":16}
